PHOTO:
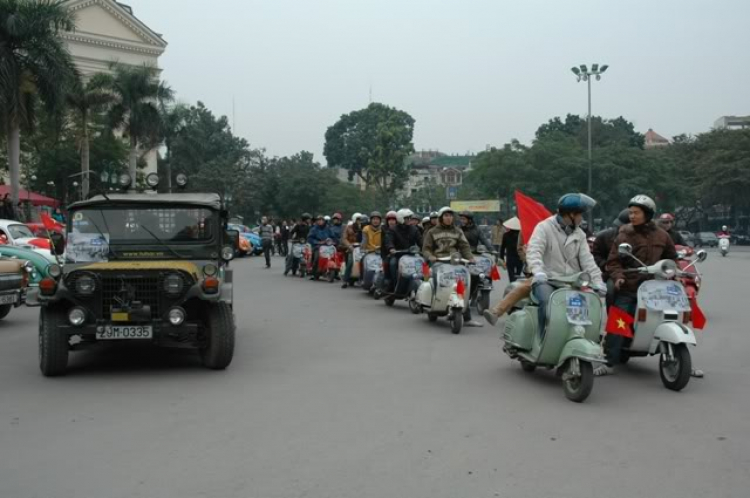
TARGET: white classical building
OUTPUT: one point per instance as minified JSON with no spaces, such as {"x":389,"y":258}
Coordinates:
{"x":106,"y":32}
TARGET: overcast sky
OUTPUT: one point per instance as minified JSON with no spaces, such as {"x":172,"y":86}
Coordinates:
{"x":470,"y":72}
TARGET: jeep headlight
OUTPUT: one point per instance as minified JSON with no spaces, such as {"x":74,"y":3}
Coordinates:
{"x":173,"y":284}
{"x":227,"y":253}
{"x":85,"y":285}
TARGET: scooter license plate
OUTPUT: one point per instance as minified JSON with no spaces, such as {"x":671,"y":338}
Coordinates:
{"x":577,"y":309}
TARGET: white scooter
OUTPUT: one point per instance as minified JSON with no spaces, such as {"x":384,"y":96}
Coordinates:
{"x":724,"y":245}
{"x":661,"y":322}
{"x":445,"y":293}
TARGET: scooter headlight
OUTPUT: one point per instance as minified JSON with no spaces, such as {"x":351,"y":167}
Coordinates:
{"x":584,"y":280}
{"x":668,"y":270}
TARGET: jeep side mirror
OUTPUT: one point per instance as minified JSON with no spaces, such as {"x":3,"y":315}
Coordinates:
{"x":625,"y":250}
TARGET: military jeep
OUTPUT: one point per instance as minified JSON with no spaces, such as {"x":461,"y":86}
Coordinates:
{"x":141,"y":267}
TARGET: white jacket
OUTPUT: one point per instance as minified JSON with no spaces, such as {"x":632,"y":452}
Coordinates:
{"x":552,"y":252}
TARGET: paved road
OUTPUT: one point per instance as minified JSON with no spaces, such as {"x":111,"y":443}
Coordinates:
{"x":333,"y":395}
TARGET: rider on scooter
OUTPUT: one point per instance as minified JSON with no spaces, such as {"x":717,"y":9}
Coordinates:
{"x":352,"y":235}
{"x":602,"y":246}
{"x":298,"y":235}
{"x":472,"y":232}
{"x":650,"y":245}
{"x":372,"y":234}
{"x":442,"y":241}
{"x":400,"y":237}
{"x":724,"y":232}
{"x":666,"y":223}
{"x":558,"y":248}
{"x":319,"y":235}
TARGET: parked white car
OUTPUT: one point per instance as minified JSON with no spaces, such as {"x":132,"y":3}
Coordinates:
{"x":15,"y":233}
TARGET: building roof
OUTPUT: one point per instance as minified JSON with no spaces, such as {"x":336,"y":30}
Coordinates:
{"x":212,"y":201}
{"x":653,"y":138}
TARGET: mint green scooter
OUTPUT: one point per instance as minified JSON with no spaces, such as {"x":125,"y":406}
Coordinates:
{"x":571,"y":340}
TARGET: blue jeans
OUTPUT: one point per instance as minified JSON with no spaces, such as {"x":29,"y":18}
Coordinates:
{"x":542,"y":293}
{"x":613,"y":343}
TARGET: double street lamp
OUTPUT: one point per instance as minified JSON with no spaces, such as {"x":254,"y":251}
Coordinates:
{"x":583,"y":73}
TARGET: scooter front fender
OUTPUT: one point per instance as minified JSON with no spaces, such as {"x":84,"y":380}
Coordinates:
{"x":583,"y":349}
{"x":673,"y":333}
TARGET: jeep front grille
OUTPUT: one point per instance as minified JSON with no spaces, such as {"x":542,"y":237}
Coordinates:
{"x":143,"y":287}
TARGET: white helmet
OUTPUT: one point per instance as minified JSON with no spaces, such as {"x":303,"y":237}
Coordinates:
{"x":445,"y":209}
{"x":403,"y":214}
{"x":724,"y":228}
{"x":356,"y":216}
{"x":644,"y":202}
{"x":327,"y":218}
{"x":425,"y":219}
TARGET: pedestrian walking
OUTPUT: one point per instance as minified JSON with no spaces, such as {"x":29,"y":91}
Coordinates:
{"x":509,"y":248}
{"x":266,"y":239}
{"x":284,"y":243}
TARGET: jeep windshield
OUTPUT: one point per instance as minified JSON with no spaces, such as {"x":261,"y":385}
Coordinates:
{"x":140,"y":232}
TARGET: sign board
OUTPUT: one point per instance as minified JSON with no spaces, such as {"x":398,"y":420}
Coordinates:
{"x":451,"y":192}
{"x":477,"y":206}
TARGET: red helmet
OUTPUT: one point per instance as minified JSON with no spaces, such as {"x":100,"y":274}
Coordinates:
{"x":337,"y":216}
{"x":666,"y":217}
{"x":390,"y":214}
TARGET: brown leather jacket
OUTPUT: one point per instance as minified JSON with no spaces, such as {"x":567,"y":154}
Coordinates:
{"x":650,"y":244}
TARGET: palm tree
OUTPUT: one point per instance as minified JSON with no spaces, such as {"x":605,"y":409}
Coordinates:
{"x":34,"y":66}
{"x":172,"y":122}
{"x":135,"y":91}
{"x":86,"y":99}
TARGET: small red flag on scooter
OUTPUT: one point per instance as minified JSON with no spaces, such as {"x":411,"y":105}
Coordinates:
{"x":460,"y":287}
{"x":495,"y":273}
{"x":425,"y":271}
{"x":699,"y":319}
{"x":619,"y":322}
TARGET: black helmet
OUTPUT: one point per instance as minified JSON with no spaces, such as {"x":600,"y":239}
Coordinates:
{"x":364,"y":220}
{"x":376,"y":214}
{"x":306,"y":216}
{"x":467,"y":214}
{"x":622,"y":219}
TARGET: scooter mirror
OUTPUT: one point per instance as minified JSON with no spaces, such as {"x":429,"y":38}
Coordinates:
{"x":702,"y":255}
{"x":625,"y":249}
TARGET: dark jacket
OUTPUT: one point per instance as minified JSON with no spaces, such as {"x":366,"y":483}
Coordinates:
{"x":336,"y":231}
{"x":318,"y":235}
{"x":442,"y":241}
{"x":475,"y":237}
{"x":602,"y":247}
{"x":402,"y":237}
{"x":676,"y":237}
{"x":300,"y":232}
{"x":352,"y":235}
{"x":650,"y":244}
{"x":509,"y":247}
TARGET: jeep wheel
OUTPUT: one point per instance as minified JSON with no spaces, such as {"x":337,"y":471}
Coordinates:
{"x":53,"y":344}
{"x":219,"y":346}
{"x":4,"y":310}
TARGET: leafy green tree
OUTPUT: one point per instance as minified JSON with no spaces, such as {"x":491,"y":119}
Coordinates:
{"x":172,"y":121}
{"x":34,"y":68}
{"x":373,"y":143}
{"x":134,"y":91}
{"x":603,"y":131}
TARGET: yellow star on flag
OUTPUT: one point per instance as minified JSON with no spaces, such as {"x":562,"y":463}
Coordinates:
{"x":621,"y":324}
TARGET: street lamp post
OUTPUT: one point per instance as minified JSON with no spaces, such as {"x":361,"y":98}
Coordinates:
{"x":583,"y":73}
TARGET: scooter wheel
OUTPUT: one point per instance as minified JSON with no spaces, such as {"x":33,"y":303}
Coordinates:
{"x":432,"y":317}
{"x":675,"y":374}
{"x":457,"y":323}
{"x":483,"y":302}
{"x":578,"y":388}
{"x":390,"y":300}
{"x":414,"y":306}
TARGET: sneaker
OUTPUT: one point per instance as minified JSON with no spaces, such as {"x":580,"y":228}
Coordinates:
{"x":473,"y":323}
{"x":490,"y":317}
{"x":344,"y":285}
{"x":697,"y":373}
{"x":603,"y":370}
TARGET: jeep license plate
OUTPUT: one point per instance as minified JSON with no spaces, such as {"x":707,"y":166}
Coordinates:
{"x":9,"y":299}
{"x":114,"y":332}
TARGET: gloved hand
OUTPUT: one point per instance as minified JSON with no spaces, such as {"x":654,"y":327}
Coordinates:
{"x":540,"y":278}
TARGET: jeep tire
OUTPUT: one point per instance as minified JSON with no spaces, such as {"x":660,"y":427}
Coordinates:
{"x":53,"y":343}
{"x":218,"y":350}
{"x":4,"y":310}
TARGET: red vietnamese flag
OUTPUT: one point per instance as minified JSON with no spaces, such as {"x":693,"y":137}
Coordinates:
{"x":460,"y":287}
{"x":619,"y":322}
{"x":48,"y":222}
{"x":425,"y":271}
{"x":530,"y":213}
{"x":699,"y":319}
{"x":495,"y":273}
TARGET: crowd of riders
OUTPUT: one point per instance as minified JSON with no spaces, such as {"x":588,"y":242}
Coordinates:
{"x":560,"y":245}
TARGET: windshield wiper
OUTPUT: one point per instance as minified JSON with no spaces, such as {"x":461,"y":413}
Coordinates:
{"x":179,"y":256}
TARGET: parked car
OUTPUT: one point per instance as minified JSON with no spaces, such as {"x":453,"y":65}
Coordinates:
{"x":17,"y":234}
{"x":706,"y":239}
{"x":14,"y":278}
{"x":252,"y":237}
{"x":39,"y":261}
{"x":688,"y":237}
{"x":740,"y":239}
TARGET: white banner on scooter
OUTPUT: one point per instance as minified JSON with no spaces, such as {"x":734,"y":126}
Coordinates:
{"x":663,"y":295}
